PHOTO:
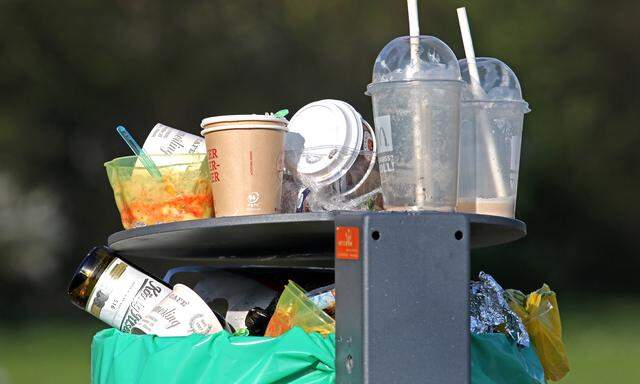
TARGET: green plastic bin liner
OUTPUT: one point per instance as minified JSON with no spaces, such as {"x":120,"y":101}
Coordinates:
{"x":294,"y":357}
{"x":495,"y":359}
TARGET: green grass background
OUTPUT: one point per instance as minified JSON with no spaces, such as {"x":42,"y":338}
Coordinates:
{"x":602,"y":340}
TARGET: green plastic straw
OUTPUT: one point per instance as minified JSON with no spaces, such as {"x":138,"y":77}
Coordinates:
{"x":281,"y":113}
{"x":139,"y":152}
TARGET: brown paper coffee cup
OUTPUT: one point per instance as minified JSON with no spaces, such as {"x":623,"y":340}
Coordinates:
{"x":245,"y":154}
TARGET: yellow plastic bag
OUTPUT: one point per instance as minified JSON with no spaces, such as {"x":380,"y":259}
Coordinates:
{"x":540,"y":314}
{"x":294,"y":309}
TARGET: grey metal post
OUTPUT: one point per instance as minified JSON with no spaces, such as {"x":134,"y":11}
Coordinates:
{"x":402,"y":302}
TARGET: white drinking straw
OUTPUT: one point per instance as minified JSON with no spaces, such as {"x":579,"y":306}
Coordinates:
{"x":478,"y":92}
{"x":468,"y":46}
{"x":414,"y":25}
{"x":414,"y":67}
{"x":414,"y":31}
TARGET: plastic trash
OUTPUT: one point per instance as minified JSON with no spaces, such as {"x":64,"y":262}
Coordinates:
{"x":415,"y":92}
{"x":295,"y":357}
{"x":182,"y":193}
{"x":295,"y":309}
{"x":496,"y":359}
{"x":541,"y":316}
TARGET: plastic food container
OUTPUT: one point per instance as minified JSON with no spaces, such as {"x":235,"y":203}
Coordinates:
{"x":415,"y":92}
{"x":490,"y":140}
{"x":183,"y":192}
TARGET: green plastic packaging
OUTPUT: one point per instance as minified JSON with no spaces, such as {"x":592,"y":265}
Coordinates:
{"x":295,"y":357}
{"x":495,"y":359}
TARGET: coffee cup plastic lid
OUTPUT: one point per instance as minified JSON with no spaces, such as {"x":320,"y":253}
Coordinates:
{"x":498,"y":81}
{"x":250,"y":121}
{"x":410,"y":58}
{"x":327,"y":137}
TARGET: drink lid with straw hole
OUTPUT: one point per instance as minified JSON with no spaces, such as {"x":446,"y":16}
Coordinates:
{"x":324,"y":140}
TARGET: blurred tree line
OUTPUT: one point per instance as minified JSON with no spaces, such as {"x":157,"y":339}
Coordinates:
{"x":70,"y":71}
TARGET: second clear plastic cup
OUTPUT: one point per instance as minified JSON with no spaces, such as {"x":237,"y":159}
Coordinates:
{"x":416,"y":105}
{"x":490,"y":141}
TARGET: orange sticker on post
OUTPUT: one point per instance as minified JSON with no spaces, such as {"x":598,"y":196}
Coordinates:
{"x":348,"y":243}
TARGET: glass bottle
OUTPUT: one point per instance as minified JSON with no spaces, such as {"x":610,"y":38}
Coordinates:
{"x":114,"y":291}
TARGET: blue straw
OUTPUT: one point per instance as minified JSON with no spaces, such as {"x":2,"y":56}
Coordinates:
{"x":139,"y":152}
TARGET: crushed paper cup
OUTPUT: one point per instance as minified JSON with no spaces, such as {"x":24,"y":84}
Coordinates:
{"x":182,"y":313}
{"x":170,"y":141}
{"x":167,"y":141}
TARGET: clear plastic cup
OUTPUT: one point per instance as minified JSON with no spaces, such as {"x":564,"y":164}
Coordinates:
{"x":415,"y":93}
{"x":490,"y":140}
{"x":183,"y":192}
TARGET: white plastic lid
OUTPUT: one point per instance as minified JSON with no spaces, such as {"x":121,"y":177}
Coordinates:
{"x":324,"y":140}
{"x":415,"y":58}
{"x":252,"y":121}
{"x":498,"y":81}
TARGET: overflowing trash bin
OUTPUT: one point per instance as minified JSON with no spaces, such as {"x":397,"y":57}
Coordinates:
{"x":443,"y":140}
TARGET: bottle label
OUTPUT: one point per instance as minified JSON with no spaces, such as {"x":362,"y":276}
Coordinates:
{"x":123,"y":295}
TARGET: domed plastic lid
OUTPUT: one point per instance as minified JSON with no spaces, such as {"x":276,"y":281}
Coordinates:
{"x":415,"y":58}
{"x":497,"y":80}
{"x":324,"y":140}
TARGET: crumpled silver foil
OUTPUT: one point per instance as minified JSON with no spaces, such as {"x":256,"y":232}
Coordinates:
{"x":490,"y":312}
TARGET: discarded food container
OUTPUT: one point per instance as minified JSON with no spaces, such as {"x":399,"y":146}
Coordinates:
{"x":246,"y":156}
{"x":415,"y":92}
{"x":490,"y":139}
{"x":182,"y":193}
{"x":330,"y":146}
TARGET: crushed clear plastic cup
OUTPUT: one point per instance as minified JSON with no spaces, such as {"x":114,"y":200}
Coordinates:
{"x":410,"y":58}
{"x":498,"y":81}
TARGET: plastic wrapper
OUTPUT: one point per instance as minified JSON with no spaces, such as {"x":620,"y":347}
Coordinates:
{"x":295,"y":357}
{"x":490,"y":312}
{"x":325,"y":199}
{"x":541,"y":316}
{"x":294,"y":309}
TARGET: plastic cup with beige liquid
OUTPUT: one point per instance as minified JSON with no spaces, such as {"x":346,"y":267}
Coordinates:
{"x":246,"y":156}
{"x":490,"y":133}
{"x":490,"y":140}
